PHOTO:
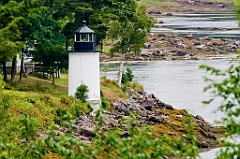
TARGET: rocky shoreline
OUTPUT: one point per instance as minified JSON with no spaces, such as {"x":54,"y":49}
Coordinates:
{"x":165,"y":47}
{"x":162,"y":118}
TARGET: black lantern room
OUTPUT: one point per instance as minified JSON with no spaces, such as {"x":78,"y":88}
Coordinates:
{"x":84,"y":39}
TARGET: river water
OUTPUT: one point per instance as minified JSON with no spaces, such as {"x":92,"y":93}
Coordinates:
{"x":178,"y":83}
{"x":213,"y":24}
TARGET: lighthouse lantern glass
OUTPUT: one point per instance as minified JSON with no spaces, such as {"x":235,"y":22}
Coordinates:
{"x":90,"y":37}
{"x":84,"y":37}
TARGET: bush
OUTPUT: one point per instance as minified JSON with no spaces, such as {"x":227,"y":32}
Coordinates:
{"x":81,"y":93}
{"x":127,"y":76}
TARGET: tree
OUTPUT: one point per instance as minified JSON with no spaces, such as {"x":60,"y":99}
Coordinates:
{"x":44,"y":30}
{"x":129,"y":31}
{"x":13,"y":15}
{"x":52,"y":58}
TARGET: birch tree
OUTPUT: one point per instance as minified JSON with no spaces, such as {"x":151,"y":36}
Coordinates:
{"x":129,"y":32}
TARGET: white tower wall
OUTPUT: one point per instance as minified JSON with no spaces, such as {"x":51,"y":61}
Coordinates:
{"x":84,"y":69}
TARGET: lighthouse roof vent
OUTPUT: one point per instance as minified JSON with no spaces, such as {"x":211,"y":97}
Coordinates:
{"x":84,"y":29}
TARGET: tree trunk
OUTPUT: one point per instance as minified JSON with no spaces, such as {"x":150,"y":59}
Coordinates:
{"x":13,"y":70}
{"x":4,"y":72}
{"x":53,"y":77}
{"x":59,"y":73}
{"x":22,"y":70}
{"x":121,"y":71}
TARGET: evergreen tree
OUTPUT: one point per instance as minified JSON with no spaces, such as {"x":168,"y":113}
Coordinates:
{"x":13,"y":15}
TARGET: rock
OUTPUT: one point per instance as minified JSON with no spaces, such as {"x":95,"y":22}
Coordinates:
{"x":179,"y":53}
{"x":197,"y":43}
{"x":150,"y":111}
{"x":189,"y":36}
{"x":156,"y":119}
{"x":154,"y":12}
{"x":202,"y":145}
{"x":198,"y":117}
{"x":147,"y":46}
{"x":160,"y":21}
{"x":160,"y":104}
{"x":207,"y":38}
{"x":87,"y":133}
{"x":181,"y":45}
{"x":167,"y":106}
{"x":200,"y":47}
{"x":179,"y":116}
{"x":169,"y":14}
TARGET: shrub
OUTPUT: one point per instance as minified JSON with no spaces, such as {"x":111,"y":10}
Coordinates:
{"x":127,"y":76}
{"x":81,"y":93}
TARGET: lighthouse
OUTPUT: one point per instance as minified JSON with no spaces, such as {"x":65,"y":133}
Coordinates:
{"x":83,"y":66}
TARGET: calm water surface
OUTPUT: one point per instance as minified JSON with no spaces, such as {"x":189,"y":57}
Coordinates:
{"x":218,"y":25}
{"x":178,"y":83}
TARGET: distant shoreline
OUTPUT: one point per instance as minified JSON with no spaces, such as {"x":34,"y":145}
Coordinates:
{"x":232,"y":56}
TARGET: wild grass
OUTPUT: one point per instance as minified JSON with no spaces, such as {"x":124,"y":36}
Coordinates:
{"x":111,"y":90}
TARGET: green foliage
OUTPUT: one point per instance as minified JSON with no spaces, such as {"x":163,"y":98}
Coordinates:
{"x":111,"y":89}
{"x":24,"y":117}
{"x":237,"y":8}
{"x":28,"y":130}
{"x":37,"y":87}
{"x":44,"y":29}
{"x":81,"y":93}
{"x":105,"y":68}
{"x":127,"y":76}
{"x":228,"y":89}
{"x":2,"y":84}
{"x":13,"y":15}
{"x":134,"y":85}
{"x":51,"y":57}
{"x":77,"y":107}
{"x":129,"y":30}
{"x":104,"y":103}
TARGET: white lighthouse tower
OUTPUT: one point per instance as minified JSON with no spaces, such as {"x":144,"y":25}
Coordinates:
{"x":84,"y":65}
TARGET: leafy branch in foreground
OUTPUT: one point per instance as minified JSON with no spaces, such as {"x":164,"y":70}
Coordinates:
{"x":228,"y":89}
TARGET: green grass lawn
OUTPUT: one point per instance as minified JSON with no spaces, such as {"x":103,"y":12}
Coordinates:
{"x":33,"y":84}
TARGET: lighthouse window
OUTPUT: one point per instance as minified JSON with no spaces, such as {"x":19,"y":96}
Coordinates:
{"x":84,"y":37}
{"x":77,"y":37}
{"x":90,"y":37}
